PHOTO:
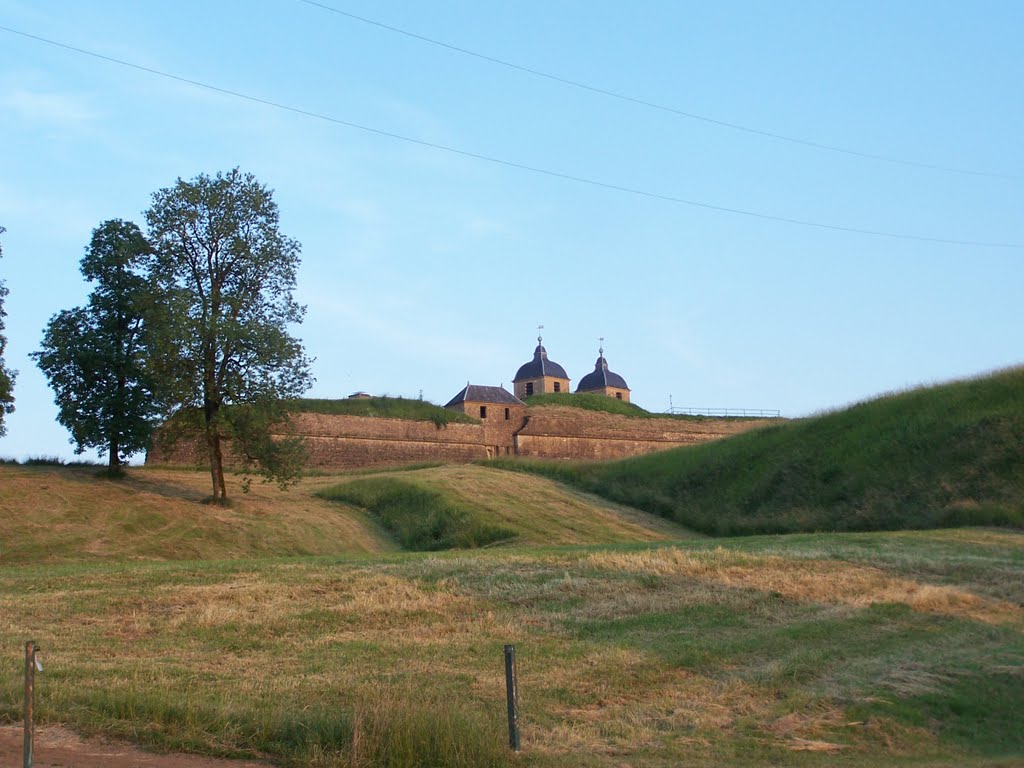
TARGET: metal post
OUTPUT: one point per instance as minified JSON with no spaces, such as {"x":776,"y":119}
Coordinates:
{"x":512,"y":697}
{"x":30,"y":675}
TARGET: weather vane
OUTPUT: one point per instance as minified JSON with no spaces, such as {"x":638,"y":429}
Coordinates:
{"x":540,"y":338}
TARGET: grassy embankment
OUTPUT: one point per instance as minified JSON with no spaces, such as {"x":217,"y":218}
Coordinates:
{"x":53,"y":514}
{"x":592,"y":402}
{"x":473,"y":506}
{"x":384,"y":408}
{"x":941,"y":456}
{"x":815,"y":650}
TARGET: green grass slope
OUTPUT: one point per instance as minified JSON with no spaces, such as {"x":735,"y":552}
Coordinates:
{"x":465,"y":506}
{"x":382,"y":407}
{"x":948,"y":455}
{"x":591,"y":402}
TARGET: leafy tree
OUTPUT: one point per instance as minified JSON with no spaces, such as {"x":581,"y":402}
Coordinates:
{"x":96,"y":357}
{"x":229,"y":273}
{"x":7,"y":376}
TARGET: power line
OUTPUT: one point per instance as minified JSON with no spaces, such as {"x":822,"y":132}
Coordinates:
{"x":513,"y":164}
{"x":663,"y":107}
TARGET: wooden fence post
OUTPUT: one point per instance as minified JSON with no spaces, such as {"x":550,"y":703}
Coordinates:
{"x":512,"y":697}
{"x":30,"y":677}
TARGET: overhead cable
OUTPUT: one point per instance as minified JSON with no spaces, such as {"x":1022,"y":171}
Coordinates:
{"x":513,"y":164}
{"x":663,"y":107}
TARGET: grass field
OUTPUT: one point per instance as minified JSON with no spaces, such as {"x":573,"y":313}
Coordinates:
{"x":290,"y":627}
{"x":835,"y":649}
{"x":941,"y":456}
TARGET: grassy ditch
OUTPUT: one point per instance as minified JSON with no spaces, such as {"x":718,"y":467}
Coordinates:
{"x":942,"y":456}
{"x":864,"y":650}
{"x":421,"y":519}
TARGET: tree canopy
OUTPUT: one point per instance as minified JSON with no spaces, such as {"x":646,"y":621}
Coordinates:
{"x":7,"y":376}
{"x":226,"y":274}
{"x":97,"y":357}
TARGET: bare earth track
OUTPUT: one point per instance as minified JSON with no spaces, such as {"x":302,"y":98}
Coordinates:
{"x":57,"y":747}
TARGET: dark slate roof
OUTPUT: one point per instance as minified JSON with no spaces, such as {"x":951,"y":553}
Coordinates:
{"x":474,"y":393}
{"x":540,"y":366}
{"x":601,"y":377}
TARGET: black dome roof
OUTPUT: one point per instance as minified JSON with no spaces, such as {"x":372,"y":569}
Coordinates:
{"x":601,"y":377}
{"x":540,"y":366}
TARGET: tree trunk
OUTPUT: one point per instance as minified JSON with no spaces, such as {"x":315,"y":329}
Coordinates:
{"x":210,"y":410}
{"x":216,"y":464}
{"x":113,"y":457}
{"x":220,"y":469}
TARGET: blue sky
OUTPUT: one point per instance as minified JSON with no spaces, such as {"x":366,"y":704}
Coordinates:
{"x":423,"y":269}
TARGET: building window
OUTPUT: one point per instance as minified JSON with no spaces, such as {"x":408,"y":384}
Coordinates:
{"x":483,"y":411}
{"x":558,"y":386}
{"x":529,"y":388}
{"x":618,"y":395}
{"x":508,"y":414}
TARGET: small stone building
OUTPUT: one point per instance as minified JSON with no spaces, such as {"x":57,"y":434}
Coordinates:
{"x":488,"y":404}
{"x":540,"y":376}
{"x":601,"y":381}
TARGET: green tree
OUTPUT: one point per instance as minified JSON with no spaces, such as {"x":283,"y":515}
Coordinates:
{"x":228,"y":274}
{"x":96,"y":357}
{"x":7,"y":376}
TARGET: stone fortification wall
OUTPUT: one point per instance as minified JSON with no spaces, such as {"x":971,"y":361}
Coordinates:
{"x":343,"y":442}
{"x":556,"y":432}
{"x":338,"y":442}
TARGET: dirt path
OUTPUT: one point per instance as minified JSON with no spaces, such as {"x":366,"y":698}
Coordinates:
{"x":57,"y":747}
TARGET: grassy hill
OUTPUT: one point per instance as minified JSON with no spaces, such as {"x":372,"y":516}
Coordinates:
{"x":468,"y":506}
{"x":941,"y":456}
{"x":54,"y":514}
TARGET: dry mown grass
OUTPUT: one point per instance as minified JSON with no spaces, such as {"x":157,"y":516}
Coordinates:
{"x":820,"y":581}
{"x":59,"y":514}
{"x":653,"y":657}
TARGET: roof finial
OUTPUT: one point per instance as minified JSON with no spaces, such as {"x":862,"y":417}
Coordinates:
{"x":600,"y":350}
{"x":540,"y":338}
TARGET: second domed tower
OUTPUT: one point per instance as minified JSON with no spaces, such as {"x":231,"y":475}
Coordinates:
{"x":540,"y":375}
{"x":601,"y":381}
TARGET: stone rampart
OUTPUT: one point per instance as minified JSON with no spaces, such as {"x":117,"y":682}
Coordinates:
{"x":554,"y":432}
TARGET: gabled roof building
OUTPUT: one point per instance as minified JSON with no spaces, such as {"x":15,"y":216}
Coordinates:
{"x":487,"y":403}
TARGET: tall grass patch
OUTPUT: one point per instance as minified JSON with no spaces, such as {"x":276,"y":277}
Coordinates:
{"x":420,"y":518}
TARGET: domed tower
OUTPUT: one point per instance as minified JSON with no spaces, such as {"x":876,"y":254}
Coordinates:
{"x":540,"y":375}
{"x":603,"y":382}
